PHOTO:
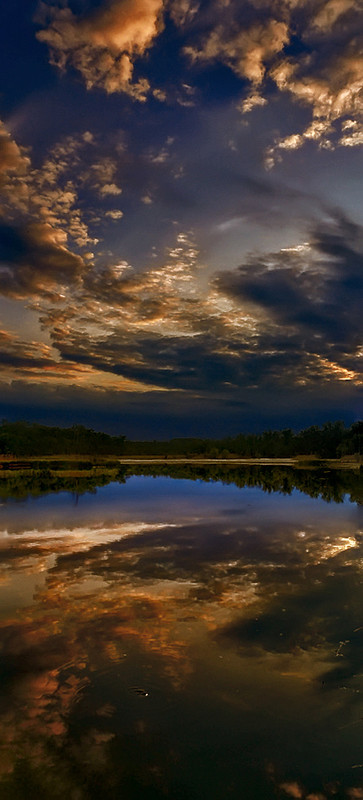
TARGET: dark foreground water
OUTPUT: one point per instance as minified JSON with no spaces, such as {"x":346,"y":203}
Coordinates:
{"x":175,"y":639}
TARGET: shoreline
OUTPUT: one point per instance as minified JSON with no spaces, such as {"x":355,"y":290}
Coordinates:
{"x":22,"y":462}
{"x":268,"y":462}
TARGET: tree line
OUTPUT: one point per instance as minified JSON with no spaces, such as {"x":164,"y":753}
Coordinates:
{"x":31,"y":439}
{"x":331,"y":440}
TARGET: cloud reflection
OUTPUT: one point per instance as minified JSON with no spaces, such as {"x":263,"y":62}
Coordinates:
{"x":132,"y":603}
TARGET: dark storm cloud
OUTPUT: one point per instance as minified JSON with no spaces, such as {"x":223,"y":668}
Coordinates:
{"x":278,"y":322}
{"x":31,"y":359}
{"x":34,"y":260}
{"x":174,"y":363}
{"x":312,"y":294}
{"x":208,"y":362}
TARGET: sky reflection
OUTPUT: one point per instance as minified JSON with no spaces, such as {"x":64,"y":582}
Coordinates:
{"x":215,"y":646}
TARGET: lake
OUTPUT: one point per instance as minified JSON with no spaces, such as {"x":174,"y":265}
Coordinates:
{"x":164,"y":637}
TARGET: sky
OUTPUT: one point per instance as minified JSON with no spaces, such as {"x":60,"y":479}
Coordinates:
{"x":181,"y":238}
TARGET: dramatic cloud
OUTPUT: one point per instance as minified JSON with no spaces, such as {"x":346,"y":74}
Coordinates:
{"x":14,"y":169}
{"x":13,"y":160}
{"x":122,"y":222}
{"x":34,"y":260}
{"x":289,"y":319}
{"x":44,"y":219}
{"x":313,"y":52}
{"x":38,"y":362}
{"x":311,"y":297}
{"x":330,"y":81}
{"x":49,"y":193}
{"x":246,"y":51}
{"x":104,"y":44}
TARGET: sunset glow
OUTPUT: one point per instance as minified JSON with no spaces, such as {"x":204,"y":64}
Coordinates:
{"x":181,"y":243}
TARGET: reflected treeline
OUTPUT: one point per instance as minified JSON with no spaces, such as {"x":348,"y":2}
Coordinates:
{"x":329,"y":484}
{"x":24,"y":483}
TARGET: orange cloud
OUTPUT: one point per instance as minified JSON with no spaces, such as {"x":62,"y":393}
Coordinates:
{"x":333,"y":93}
{"x":12,"y":157}
{"x":326,"y":75}
{"x":103,"y":45}
{"x":247,"y":52}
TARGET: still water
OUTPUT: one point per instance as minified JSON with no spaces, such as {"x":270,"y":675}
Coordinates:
{"x":166,"y":638}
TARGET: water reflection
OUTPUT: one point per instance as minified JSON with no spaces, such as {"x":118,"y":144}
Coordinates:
{"x":184,"y":640}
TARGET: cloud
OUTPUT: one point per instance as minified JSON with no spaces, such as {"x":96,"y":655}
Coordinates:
{"x":13,"y":159}
{"x":328,"y":76}
{"x":34,"y":260}
{"x":282,"y":320}
{"x":39,"y":364}
{"x":33,"y":359}
{"x":55,"y":192}
{"x":183,"y":12}
{"x":101,"y":174}
{"x":331,"y":83}
{"x":38,"y":213}
{"x":352,"y":134}
{"x":310,"y":299}
{"x":286,"y":319}
{"x":110,"y":188}
{"x":104,"y":44}
{"x":49,"y":192}
{"x":115,"y":213}
{"x":330,"y":12}
{"x":153,"y":327}
{"x":14,"y":168}
{"x":248,"y":51}
{"x":252,"y":101}
{"x":312,"y":52}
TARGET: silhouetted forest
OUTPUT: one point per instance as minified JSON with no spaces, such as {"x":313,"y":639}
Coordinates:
{"x":331,"y":440}
{"x":30,"y":439}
